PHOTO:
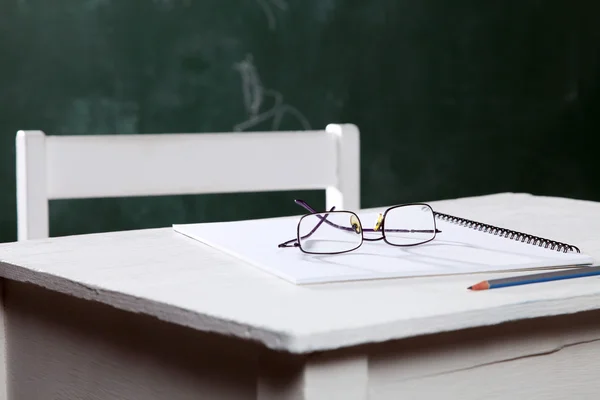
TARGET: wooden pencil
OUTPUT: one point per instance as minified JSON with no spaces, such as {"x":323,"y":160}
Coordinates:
{"x":571,"y":273}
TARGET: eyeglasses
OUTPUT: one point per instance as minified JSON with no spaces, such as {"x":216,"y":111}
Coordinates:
{"x":335,"y":232}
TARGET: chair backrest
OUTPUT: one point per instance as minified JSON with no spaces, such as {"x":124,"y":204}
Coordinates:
{"x":76,"y":167}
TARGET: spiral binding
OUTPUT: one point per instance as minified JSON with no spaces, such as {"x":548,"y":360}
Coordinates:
{"x":507,"y":233}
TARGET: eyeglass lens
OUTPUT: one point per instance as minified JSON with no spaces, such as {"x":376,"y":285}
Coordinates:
{"x":409,"y":225}
{"x":330,"y":232}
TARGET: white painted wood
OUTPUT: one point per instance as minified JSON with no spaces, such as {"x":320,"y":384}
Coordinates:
{"x":328,"y":376}
{"x":345,"y":194}
{"x":138,"y":165}
{"x":571,"y":373}
{"x":554,"y":358}
{"x":3,"y":348}
{"x":32,"y":196}
{"x":96,"y":352}
{"x":320,"y":376}
{"x":179,"y":280}
{"x":72,"y":167}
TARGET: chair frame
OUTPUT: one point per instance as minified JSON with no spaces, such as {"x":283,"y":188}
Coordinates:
{"x":51,"y":167}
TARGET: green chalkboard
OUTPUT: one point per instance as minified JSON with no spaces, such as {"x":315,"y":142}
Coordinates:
{"x":453,"y":98}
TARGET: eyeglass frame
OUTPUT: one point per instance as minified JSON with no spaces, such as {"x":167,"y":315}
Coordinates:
{"x":380,"y":227}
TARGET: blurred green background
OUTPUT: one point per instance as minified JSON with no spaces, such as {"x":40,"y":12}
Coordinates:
{"x":453,"y":98}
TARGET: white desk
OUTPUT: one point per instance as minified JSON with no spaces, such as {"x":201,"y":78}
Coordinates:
{"x":154,"y":315}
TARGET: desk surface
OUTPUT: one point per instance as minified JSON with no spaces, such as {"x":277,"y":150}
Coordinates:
{"x":174,"y":278}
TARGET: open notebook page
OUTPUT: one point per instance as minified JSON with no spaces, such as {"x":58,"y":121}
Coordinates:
{"x":456,"y":250}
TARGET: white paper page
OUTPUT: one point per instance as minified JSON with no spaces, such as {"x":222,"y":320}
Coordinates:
{"x":456,"y":250}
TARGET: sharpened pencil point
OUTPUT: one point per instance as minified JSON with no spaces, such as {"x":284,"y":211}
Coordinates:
{"x":484,"y":285}
{"x":470,"y":287}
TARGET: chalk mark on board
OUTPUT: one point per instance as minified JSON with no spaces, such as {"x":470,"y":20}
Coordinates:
{"x":268,"y":5}
{"x":255,"y":93}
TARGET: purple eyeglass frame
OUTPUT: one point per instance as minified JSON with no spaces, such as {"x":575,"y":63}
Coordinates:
{"x":323,"y":219}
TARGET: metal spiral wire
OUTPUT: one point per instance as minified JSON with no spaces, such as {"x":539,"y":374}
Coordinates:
{"x":507,"y":233}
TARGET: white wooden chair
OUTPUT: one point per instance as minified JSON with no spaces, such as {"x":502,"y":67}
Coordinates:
{"x":76,"y":167}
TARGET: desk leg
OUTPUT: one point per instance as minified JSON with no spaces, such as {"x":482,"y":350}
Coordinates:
{"x":314,"y":377}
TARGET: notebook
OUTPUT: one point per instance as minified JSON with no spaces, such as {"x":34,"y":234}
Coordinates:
{"x":463,"y":247}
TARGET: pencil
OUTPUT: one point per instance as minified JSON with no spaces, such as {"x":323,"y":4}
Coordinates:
{"x":537,"y":278}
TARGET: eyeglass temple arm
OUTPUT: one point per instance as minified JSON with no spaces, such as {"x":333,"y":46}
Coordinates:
{"x":289,"y":243}
{"x":304,"y":204}
{"x":294,"y":242}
